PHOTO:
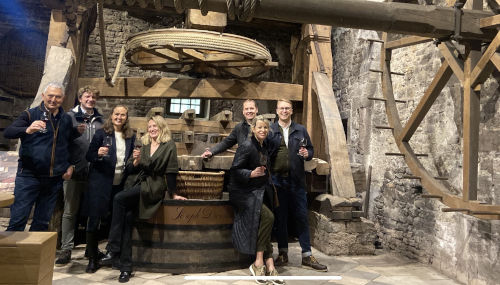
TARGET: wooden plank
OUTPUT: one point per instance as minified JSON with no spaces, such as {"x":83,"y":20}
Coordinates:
{"x":456,"y":65}
{"x":336,"y":146}
{"x":484,"y":67}
{"x":223,"y":116}
{"x":6,"y":199}
{"x":440,"y":79}
{"x":196,"y":88}
{"x":495,"y":59}
{"x":213,"y":21}
{"x":471,"y":119}
{"x":407,"y":41}
{"x":490,"y":22}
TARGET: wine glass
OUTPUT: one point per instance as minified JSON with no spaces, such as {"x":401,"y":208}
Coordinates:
{"x":86,"y":118}
{"x":108,"y":142}
{"x":46,"y":119}
{"x":263,"y":159}
{"x":302,"y":143}
{"x":137,"y":143}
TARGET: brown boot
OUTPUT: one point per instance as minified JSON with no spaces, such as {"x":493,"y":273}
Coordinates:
{"x":311,"y":263}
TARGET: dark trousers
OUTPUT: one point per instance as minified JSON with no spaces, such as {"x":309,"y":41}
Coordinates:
{"x":265,"y":229}
{"x":120,"y":234}
{"x":29,"y":190}
{"x":292,"y":199}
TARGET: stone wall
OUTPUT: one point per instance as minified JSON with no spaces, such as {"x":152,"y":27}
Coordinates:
{"x":461,"y":246}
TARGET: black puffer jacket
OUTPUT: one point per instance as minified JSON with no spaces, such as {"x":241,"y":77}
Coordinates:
{"x":237,"y":136}
{"x":247,"y":194}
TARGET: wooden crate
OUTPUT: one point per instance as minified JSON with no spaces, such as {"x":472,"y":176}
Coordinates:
{"x":27,"y":257}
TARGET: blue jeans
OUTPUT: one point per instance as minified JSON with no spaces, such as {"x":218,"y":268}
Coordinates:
{"x":30,"y":190}
{"x":293,"y":199}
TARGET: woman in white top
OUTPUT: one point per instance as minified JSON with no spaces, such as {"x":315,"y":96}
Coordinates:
{"x":110,"y":148}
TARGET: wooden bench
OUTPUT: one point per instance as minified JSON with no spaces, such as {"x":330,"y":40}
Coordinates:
{"x":27,"y":257}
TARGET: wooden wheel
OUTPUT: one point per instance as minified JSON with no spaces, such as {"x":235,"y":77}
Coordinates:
{"x":185,"y":50}
{"x":470,"y":77}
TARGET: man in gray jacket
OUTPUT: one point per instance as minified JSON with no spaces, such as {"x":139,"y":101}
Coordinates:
{"x":239,"y":133}
{"x":85,"y":113}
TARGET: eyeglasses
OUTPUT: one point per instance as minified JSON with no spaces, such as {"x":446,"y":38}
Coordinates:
{"x":285,"y":108}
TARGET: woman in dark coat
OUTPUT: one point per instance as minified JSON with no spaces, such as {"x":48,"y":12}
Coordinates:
{"x":108,"y":151}
{"x":154,"y":163}
{"x":253,"y":199}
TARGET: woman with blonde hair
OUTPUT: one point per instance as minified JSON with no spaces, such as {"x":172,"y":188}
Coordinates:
{"x":144,"y":190}
{"x":253,"y":200}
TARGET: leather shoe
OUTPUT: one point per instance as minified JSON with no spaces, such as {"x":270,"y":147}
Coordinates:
{"x":282,"y":259}
{"x":124,"y":276}
{"x":92,"y":266}
{"x":109,"y":258}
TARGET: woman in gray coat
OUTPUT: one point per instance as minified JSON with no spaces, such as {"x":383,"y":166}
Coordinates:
{"x":253,"y":199}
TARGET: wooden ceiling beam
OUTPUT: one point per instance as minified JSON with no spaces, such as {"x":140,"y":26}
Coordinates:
{"x":134,"y":87}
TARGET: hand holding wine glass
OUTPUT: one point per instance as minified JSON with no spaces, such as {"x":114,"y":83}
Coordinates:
{"x":302,"y":148}
{"x":106,"y":144}
{"x":45,"y":119}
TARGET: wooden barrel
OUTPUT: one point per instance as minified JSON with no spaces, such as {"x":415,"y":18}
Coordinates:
{"x":190,"y":236}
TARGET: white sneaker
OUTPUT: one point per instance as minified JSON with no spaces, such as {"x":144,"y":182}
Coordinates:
{"x":258,"y":271}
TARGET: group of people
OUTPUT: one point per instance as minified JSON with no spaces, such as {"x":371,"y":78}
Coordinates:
{"x":267,"y":185}
{"x":105,"y":171}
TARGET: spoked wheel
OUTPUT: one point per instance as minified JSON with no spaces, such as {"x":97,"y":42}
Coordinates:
{"x":470,"y":77}
{"x":185,"y":50}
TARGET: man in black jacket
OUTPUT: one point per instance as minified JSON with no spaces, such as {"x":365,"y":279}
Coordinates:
{"x":291,"y":146}
{"x":45,"y":132}
{"x":239,"y":133}
{"x":84,"y":113}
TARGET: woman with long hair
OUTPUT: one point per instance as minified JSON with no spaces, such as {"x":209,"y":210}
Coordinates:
{"x":253,"y":201}
{"x":154,"y":163}
{"x":108,"y":151}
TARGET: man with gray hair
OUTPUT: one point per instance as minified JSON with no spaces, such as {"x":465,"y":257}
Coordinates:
{"x":45,"y":132}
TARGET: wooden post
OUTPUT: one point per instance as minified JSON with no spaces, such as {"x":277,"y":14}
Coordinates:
{"x":316,"y":52}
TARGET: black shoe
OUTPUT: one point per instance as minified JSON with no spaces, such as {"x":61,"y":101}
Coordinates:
{"x":109,"y":258}
{"x":311,"y":263}
{"x":92,"y":266}
{"x":282,"y":259}
{"x":64,"y":257}
{"x":124,"y":276}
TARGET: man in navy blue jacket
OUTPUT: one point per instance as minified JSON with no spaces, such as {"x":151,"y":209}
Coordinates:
{"x":45,"y":132}
{"x":291,"y":146}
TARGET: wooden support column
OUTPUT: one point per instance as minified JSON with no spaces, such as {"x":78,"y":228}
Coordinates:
{"x":316,"y":52}
{"x":61,"y":68}
{"x":471,"y":115}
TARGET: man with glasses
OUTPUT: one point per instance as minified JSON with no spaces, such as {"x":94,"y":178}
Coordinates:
{"x":292,"y":145}
{"x":45,"y":132}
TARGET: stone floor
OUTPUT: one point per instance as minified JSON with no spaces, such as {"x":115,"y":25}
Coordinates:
{"x":380,"y":269}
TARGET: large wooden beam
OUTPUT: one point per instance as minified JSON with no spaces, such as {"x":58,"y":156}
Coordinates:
{"x":471,"y":115}
{"x":336,"y":146}
{"x":401,"y":18}
{"x":134,"y":87}
{"x":317,"y":57}
{"x":440,"y":79}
